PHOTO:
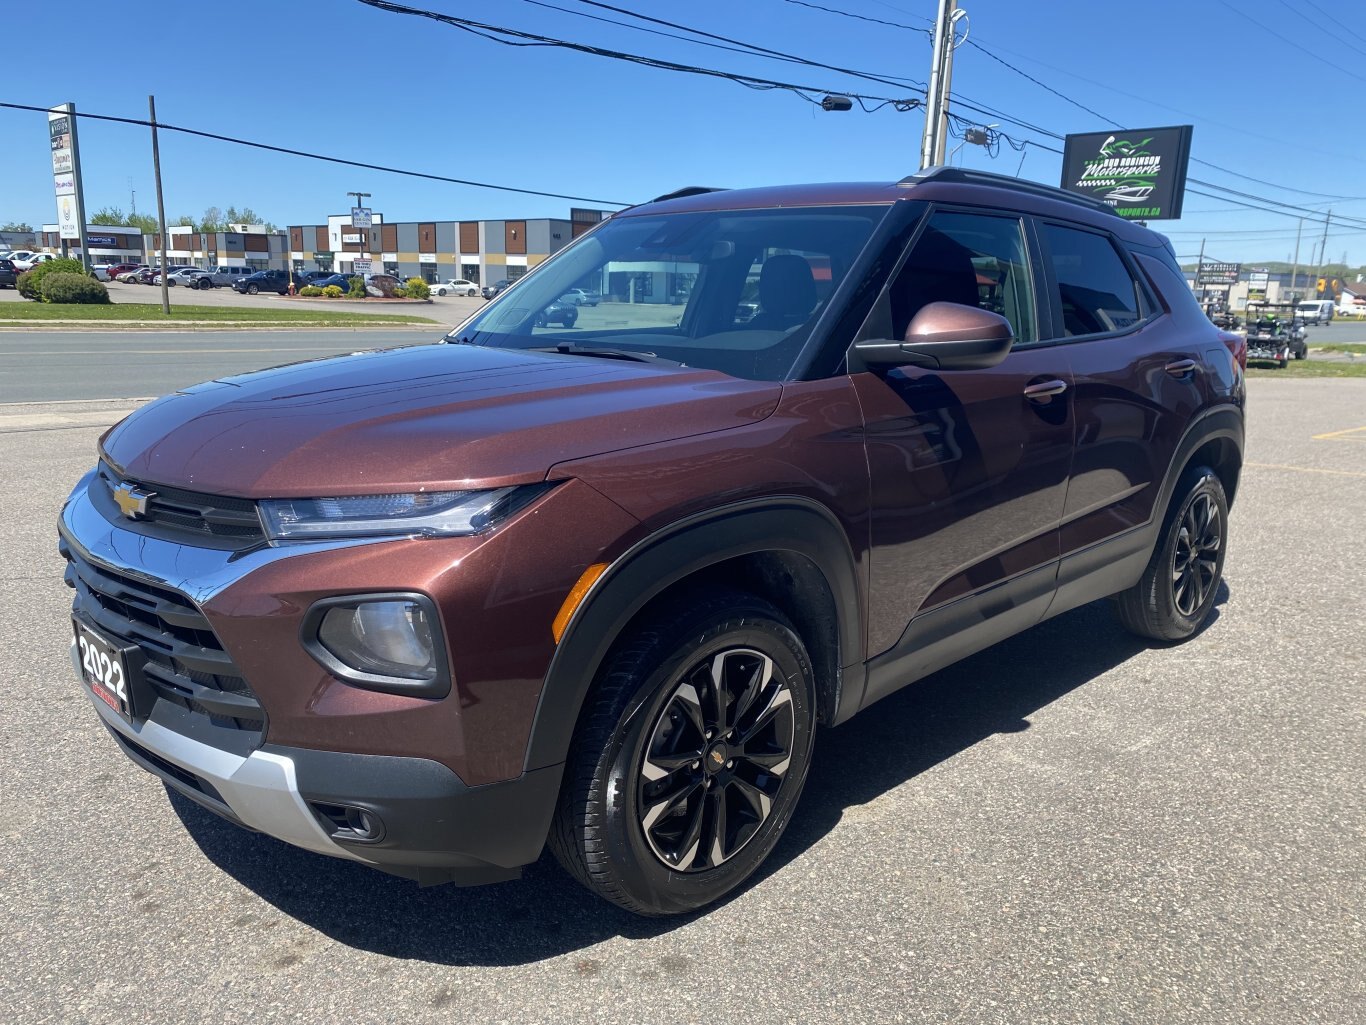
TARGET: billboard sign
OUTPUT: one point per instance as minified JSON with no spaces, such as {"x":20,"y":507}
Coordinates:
{"x":63,"y":146}
{"x":1141,"y":173}
{"x":1218,"y":273}
{"x":360,"y":217}
{"x":66,"y":176}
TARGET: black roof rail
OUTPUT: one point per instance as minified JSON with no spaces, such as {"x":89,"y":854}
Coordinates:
{"x":687,"y":190}
{"x":969,"y":176}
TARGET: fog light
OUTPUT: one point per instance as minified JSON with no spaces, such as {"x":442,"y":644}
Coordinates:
{"x":383,"y":642}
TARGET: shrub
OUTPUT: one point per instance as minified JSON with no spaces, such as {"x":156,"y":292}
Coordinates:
{"x":310,"y":290}
{"x":73,"y":288}
{"x":357,"y":289}
{"x":333,"y":291}
{"x":399,"y":292}
{"x":30,"y":283}
{"x":416,"y":288}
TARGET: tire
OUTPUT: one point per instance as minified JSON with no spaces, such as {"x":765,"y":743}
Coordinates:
{"x":472,"y":293}
{"x":1281,"y":364}
{"x":651,"y":839}
{"x":252,"y":289}
{"x":441,"y":292}
{"x":1174,"y":596}
{"x":1302,"y":352}
{"x":571,"y":317}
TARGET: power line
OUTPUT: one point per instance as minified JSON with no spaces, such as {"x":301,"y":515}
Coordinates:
{"x":1290,"y":42}
{"x":518,"y":38}
{"x":163,"y":126}
{"x":1042,"y":85}
{"x":1340,"y":24}
{"x":860,"y":17}
{"x":1298,"y":13}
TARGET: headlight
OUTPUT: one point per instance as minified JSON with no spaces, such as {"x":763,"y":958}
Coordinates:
{"x":424,"y":514}
{"x":389,"y":642}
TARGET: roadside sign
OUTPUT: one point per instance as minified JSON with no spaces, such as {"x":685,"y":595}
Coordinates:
{"x":1141,"y":173}
{"x":360,"y":266}
{"x":1218,"y":273}
{"x":360,"y":217}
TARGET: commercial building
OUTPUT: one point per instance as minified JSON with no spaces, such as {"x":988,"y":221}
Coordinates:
{"x":480,"y":251}
{"x":243,"y":245}
{"x":17,"y":241}
{"x":108,"y":243}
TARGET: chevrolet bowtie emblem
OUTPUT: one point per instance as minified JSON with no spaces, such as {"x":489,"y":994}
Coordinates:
{"x":132,"y":500}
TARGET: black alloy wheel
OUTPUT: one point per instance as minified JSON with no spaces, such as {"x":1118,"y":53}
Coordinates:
{"x":252,"y":289}
{"x":689,"y":756}
{"x":716,"y":759}
{"x":1178,"y":589}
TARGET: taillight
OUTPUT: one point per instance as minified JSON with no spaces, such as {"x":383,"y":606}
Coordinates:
{"x":1237,"y":345}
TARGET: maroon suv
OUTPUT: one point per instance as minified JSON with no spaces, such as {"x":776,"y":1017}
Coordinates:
{"x":430,"y":608}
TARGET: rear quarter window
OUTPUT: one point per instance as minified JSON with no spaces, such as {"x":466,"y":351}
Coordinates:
{"x":1096,"y":292}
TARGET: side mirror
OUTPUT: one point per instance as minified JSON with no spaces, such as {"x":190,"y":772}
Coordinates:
{"x":942,"y":336}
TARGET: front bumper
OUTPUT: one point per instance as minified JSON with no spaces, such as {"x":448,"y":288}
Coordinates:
{"x":430,"y":826}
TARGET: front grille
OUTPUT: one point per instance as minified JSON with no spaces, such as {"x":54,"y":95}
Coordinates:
{"x":191,"y":512}
{"x":185,"y":662}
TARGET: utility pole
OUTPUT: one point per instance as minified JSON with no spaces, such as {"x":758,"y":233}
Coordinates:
{"x":937,"y":93}
{"x":1199,"y":270}
{"x":161,"y":206}
{"x":1295,"y":273}
{"x":1323,"y":248}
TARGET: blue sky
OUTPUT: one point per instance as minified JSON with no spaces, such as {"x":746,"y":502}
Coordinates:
{"x":337,"y":77}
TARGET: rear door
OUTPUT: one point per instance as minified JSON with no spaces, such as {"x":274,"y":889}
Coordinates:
{"x":968,"y":468}
{"x":1139,"y":380}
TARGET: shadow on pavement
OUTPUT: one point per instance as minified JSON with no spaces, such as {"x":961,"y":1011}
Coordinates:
{"x":546,"y":914}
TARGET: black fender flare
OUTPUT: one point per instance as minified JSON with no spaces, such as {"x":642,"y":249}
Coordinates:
{"x":1224,"y":422}
{"x":787,"y":524}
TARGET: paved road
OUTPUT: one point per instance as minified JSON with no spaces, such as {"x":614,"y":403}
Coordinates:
{"x":51,"y":365}
{"x":1071,"y":827}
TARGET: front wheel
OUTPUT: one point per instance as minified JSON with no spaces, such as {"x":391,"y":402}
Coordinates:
{"x":1177,"y":591}
{"x":690,"y":755}
{"x":441,"y":292}
{"x":252,"y":290}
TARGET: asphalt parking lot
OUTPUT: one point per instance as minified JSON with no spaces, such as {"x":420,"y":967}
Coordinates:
{"x":1069,"y":827}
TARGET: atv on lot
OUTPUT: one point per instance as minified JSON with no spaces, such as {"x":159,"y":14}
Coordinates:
{"x":1275,"y":333}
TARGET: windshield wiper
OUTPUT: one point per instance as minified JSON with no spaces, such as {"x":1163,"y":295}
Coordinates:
{"x":570,"y":349}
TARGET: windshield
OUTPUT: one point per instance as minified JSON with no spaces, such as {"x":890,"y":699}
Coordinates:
{"x":1309,"y":307}
{"x":737,"y":291}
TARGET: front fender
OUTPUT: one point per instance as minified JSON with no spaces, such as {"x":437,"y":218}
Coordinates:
{"x":782,"y":524}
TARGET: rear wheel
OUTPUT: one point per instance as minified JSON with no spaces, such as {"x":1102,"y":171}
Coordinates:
{"x":1177,"y":590}
{"x":690,"y":756}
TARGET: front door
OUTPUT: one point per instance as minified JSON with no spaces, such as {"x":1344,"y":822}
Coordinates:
{"x":968,"y":468}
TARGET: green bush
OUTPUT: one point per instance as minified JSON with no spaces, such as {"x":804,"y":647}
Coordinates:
{"x":30,"y":283}
{"x":310,"y":290}
{"x":333,"y":291}
{"x":399,"y":292}
{"x":357,"y":289}
{"x":73,"y":288}
{"x":416,"y":288}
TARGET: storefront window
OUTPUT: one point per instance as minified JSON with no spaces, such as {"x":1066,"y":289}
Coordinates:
{"x":470,"y":272}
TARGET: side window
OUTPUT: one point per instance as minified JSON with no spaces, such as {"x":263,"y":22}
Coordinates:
{"x":1096,"y":292}
{"x":971,"y":259}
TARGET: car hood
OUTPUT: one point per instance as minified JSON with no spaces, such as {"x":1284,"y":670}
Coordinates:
{"x":427,"y":417}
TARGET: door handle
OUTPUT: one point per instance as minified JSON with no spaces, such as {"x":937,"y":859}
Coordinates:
{"x":1044,"y":391}
{"x":1181,"y":367}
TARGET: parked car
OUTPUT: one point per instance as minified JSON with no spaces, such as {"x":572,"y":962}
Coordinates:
{"x":311,"y":277}
{"x":113,"y":271}
{"x":8,"y":275}
{"x":145,"y":275}
{"x":30,"y":261}
{"x":455,"y":286}
{"x":263,"y":281}
{"x":560,"y":312}
{"x":191,"y":277}
{"x":342,"y":281}
{"x":1353,"y":310}
{"x":497,"y":288}
{"x":430,"y":609}
{"x":19,"y":255}
{"x":226,"y":274}
{"x":580,"y":297}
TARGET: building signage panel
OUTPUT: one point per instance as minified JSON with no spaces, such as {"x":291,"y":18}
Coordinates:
{"x":64,"y":184}
{"x":426,"y":258}
{"x":360,"y":217}
{"x":63,"y":149}
{"x":1141,"y":173}
{"x":1218,"y":273}
{"x":348,"y":240}
{"x":361,"y":266}
{"x":322,"y":256}
{"x":108,"y":241}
